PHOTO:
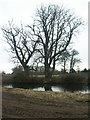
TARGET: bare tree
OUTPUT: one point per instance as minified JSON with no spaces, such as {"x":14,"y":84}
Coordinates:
{"x":73,"y":60}
{"x":54,"y":27}
{"x":65,"y":57}
{"x":21,"y":44}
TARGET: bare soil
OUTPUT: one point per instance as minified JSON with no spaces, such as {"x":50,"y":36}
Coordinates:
{"x":24,"y":103}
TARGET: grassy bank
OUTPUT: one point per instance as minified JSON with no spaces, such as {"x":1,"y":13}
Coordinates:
{"x":73,"y":78}
{"x":23,"y":103}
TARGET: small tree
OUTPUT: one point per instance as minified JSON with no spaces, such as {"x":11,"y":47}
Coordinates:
{"x":64,"y":59}
{"x":73,"y":60}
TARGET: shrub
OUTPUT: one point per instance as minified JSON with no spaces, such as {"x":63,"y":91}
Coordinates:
{"x":6,"y":79}
{"x":20,"y":77}
{"x":74,"y":78}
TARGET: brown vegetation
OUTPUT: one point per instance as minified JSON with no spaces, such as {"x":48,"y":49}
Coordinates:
{"x":20,"y":103}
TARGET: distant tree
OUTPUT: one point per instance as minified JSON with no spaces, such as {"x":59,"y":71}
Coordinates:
{"x":21,"y":43}
{"x":54,"y":27}
{"x":64,"y":59}
{"x":85,"y":70}
{"x":17,"y":69}
{"x":73,"y":60}
{"x":78,"y":69}
{"x":3,"y":73}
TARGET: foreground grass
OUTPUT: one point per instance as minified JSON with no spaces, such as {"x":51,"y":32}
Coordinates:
{"x":24,"y":103}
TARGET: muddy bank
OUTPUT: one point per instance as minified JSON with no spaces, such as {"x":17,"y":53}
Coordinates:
{"x":20,"y":103}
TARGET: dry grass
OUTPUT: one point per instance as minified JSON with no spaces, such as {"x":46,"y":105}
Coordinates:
{"x":49,"y":95}
{"x":27,"y":103}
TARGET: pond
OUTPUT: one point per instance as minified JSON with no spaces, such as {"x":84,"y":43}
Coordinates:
{"x":54,"y":88}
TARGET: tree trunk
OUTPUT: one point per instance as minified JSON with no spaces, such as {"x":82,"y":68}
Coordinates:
{"x":48,"y":76}
{"x":64,"y":66}
{"x":47,"y":87}
{"x":71,"y":64}
{"x":26,"y":71}
{"x":47,"y":73}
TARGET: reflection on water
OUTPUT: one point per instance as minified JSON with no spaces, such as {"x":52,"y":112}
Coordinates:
{"x":54,"y":88}
{"x":39,"y":89}
{"x":8,"y":86}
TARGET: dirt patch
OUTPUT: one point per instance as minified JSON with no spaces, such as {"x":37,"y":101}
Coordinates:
{"x":24,"y":103}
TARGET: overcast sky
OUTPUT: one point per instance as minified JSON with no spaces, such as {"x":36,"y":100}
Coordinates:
{"x":23,"y":10}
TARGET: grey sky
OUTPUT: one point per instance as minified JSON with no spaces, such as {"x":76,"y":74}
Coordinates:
{"x":23,"y":10}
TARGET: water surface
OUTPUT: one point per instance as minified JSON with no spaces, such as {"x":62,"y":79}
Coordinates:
{"x":54,"y":88}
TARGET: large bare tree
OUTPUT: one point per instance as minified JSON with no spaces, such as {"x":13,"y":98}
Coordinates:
{"x":21,"y":44}
{"x":54,"y":27}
